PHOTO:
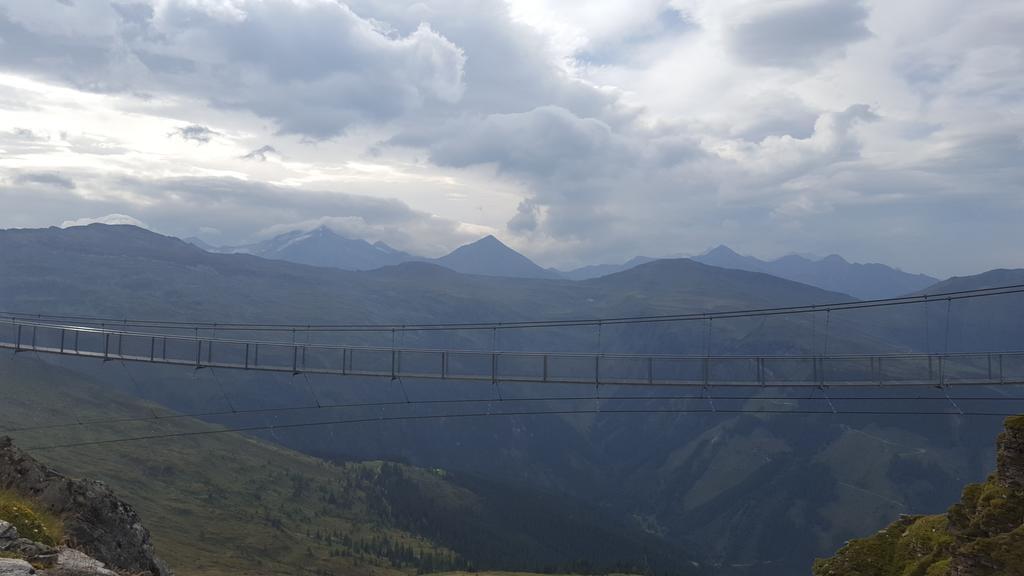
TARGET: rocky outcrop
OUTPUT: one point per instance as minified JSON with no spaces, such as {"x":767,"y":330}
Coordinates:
{"x":982,"y":535}
{"x":95,"y":521}
{"x":15,"y":567}
{"x":60,"y":561}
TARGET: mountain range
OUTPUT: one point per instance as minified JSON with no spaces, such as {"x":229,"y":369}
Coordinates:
{"x":865,"y":281}
{"x":490,"y":257}
{"x":754,"y":494}
{"x":325,"y":247}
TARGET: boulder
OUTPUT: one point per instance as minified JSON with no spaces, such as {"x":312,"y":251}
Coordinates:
{"x":74,"y":563}
{"x":12,"y":567}
{"x":7,"y":532}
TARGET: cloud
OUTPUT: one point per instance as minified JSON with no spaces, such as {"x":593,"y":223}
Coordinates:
{"x":314,"y":67}
{"x":261,"y":154}
{"x":195,"y":133}
{"x":108,"y":219}
{"x":241,"y":211}
{"x":51,"y":179}
{"x":799,"y":33}
{"x":546,"y":140}
{"x":526,"y":218}
{"x":649,"y":127}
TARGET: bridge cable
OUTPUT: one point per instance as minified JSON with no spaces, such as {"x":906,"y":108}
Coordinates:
{"x":424,"y":417}
{"x":457,"y":401}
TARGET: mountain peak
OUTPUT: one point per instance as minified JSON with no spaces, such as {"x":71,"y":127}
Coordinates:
{"x":489,"y":240}
{"x":322,"y":246}
{"x":489,"y":256}
{"x":721,"y":250}
{"x":835,"y":259}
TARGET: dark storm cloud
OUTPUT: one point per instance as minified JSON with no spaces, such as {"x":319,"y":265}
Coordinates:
{"x":799,"y":34}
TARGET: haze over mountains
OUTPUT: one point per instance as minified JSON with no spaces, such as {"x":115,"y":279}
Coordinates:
{"x":318,"y":247}
{"x":753,"y":494}
{"x":490,"y":257}
{"x":325,"y":247}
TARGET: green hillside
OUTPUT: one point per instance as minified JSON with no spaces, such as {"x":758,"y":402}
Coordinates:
{"x":227,"y":504}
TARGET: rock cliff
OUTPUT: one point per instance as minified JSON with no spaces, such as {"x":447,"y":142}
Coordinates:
{"x":96,"y":524}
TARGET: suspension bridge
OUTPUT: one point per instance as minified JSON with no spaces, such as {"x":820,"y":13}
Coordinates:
{"x":955,"y":377}
{"x":197,"y":345}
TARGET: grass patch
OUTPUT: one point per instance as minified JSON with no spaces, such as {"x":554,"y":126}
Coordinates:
{"x":32,"y":523}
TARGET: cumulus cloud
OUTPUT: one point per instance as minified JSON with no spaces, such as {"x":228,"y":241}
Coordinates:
{"x":314,"y":67}
{"x":649,"y":126}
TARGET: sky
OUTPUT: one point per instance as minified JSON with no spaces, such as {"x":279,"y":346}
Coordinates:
{"x":576,"y":132}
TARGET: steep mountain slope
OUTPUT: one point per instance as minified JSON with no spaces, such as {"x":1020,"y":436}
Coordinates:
{"x":697,"y":478}
{"x":866,"y":281}
{"x":223,"y":503}
{"x":488,"y":256}
{"x":982,"y":535}
{"x":320,"y":247}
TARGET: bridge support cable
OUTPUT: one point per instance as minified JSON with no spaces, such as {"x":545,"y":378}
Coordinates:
{"x":705,"y":395}
{"x":491,"y":414}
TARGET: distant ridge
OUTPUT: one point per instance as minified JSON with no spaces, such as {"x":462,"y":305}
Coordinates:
{"x":866,"y":281}
{"x":833,"y":273}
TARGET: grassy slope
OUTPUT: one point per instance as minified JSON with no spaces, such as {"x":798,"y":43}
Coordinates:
{"x":984,"y":529}
{"x":215,"y":504}
{"x":224,"y":503}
